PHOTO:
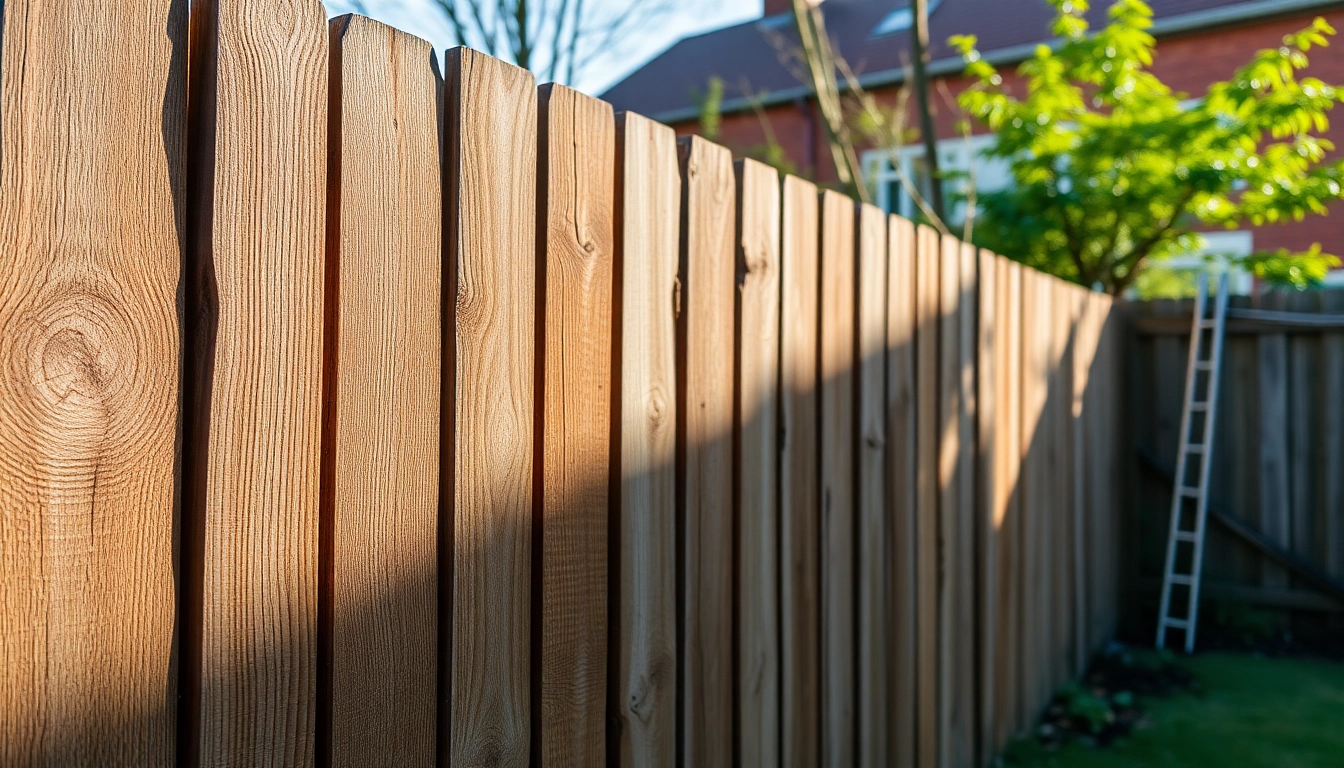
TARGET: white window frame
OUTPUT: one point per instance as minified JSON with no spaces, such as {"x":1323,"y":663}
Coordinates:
{"x":884,"y":174}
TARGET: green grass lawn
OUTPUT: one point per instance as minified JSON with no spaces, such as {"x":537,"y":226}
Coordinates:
{"x":1250,"y":713}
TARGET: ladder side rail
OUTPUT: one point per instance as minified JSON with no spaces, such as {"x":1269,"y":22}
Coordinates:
{"x":1181,"y":453}
{"x":1206,"y":461}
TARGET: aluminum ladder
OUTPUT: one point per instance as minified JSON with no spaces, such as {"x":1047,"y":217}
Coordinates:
{"x":1187,"y":523}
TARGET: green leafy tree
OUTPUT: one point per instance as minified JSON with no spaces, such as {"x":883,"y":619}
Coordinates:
{"x":1114,"y":170}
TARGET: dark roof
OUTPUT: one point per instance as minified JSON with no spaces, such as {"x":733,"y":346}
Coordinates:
{"x":666,"y":88}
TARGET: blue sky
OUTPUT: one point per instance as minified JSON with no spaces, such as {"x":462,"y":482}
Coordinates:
{"x":685,"y":17}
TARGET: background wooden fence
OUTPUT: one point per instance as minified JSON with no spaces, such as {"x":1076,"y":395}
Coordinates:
{"x":1278,"y":454}
{"x":354,"y":415}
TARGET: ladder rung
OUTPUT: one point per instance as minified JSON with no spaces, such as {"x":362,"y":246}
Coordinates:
{"x":1177,"y":578}
{"x":1209,"y":324}
{"x":1204,"y":365}
{"x":1199,"y":405}
{"x":1186,"y":536}
{"x":1177,"y":623}
{"x":1195,"y":447}
{"x":1186,"y":490}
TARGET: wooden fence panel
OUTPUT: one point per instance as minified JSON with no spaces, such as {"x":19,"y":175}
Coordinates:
{"x":928,"y":289}
{"x":838,"y":297}
{"x":902,"y":467}
{"x":758,"y":380}
{"x":252,"y":444}
{"x":575,"y":248}
{"x":491,"y":282}
{"x":704,"y":450}
{"x":643,"y":680}
{"x":90,"y":260}
{"x":384,"y":338}
{"x":800,"y":461}
{"x":874,"y":643}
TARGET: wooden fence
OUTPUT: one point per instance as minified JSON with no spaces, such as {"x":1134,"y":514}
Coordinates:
{"x":1278,"y":453}
{"x":356,"y":415}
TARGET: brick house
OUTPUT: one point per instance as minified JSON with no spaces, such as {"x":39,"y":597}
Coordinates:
{"x":1199,"y":42}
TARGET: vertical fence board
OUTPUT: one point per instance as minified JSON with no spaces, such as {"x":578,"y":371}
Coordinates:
{"x":576,"y":218}
{"x":950,"y":409}
{"x":1272,"y":380}
{"x":838,"y":730}
{"x":1084,"y":347}
{"x":1008,"y":664}
{"x":385,"y":337}
{"x":1304,"y":411}
{"x":928,"y":425}
{"x":90,"y":258}
{"x":704,"y":450}
{"x":1332,"y":425}
{"x":966,"y":711}
{"x":253,"y":449}
{"x":491,"y":141}
{"x":800,"y":497}
{"x":902,"y":463}
{"x":1061,"y":459}
{"x":989,"y":494}
{"x":874,"y":638}
{"x":758,"y":370}
{"x":644,"y":680}
{"x":1035,"y":476}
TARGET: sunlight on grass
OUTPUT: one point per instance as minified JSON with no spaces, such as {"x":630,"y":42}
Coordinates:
{"x":1251,"y":713}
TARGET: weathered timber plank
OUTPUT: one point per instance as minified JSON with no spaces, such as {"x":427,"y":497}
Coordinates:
{"x":988,"y":498}
{"x":643,"y":680}
{"x":966,"y":712}
{"x":950,"y":411}
{"x":491,"y":138}
{"x":705,"y":450}
{"x":874,"y":640}
{"x":758,"y":422}
{"x":384,"y":357}
{"x":1272,"y":382}
{"x":800,"y":460}
{"x":927,"y":287}
{"x":838,"y":296}
{"x":575,"y":250}
{"x":902,"y":463}
{"x":254,"y":363}
{"x":91,"y":231}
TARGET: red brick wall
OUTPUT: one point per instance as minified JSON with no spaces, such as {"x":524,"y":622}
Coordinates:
{"x":1188,"y":63}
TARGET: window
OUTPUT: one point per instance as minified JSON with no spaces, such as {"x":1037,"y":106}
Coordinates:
{"x":901,"y":19}
{"x":954,"y":155}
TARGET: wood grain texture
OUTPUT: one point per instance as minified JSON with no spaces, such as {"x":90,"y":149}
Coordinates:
{"x":758,"y":425}
{"x":705,"y":360}
{"x":800,"y":460}
{"x":384,"y":449}
{"x":950,"y":409}
{"x":491,"y":141}
{"x":90,"y":252}
{"x":253,"y":471}
{"x":874,"y":640}
{"x":902,"y":467}
{"x":576,"y":245}
{"x":643,"y":682}
{"x":928,"y":288}
{"x":838,"y":338}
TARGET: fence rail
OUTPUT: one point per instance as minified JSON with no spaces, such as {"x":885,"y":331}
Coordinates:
{"x":492,"y":428}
